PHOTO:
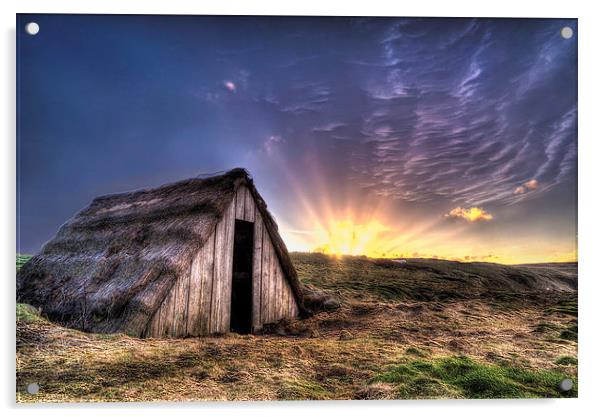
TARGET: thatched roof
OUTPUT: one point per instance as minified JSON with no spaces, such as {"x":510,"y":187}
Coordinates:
{"x":109,"y":268}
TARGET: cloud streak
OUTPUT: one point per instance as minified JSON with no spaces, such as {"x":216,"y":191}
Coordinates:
{"x":432,"y":116}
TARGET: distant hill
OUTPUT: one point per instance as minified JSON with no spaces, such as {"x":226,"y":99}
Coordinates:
{"x":362,"y":278}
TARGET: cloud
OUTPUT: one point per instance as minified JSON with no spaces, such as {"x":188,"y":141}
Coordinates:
{"x":271,"y":143}
{"x":329,"y":127}
{"x":438,"y":128}
{"x":526,"y":187}
{"x":426,"y":136}
{"x":304,"y":98}
{"x":472,"y":214}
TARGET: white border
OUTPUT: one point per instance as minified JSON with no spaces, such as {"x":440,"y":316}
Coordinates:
{"x":590,"y":71}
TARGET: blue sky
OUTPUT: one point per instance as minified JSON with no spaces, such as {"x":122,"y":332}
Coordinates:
{"x":429,"y":137}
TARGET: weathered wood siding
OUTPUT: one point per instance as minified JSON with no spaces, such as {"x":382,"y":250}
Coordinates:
{"x":273,"y":298}
{"x":199,"y":303}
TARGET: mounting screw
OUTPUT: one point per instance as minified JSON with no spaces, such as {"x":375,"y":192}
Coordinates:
{"x":566,"y":32}
{"x":32,"y":28}
{"x":565,"y":385}
{"x":33,"y":388}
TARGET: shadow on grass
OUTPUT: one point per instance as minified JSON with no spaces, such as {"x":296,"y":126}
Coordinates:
{"x":85,"y":379}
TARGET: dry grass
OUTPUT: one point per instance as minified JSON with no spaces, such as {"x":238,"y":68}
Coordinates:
{"x":496,"y":347}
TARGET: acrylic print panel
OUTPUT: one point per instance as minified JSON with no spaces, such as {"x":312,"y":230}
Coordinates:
{"x":295,"y":208}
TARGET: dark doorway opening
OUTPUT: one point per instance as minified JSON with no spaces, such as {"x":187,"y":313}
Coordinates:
{"x":241,"y":310}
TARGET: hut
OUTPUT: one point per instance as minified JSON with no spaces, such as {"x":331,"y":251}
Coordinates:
{"x":192,"y":258}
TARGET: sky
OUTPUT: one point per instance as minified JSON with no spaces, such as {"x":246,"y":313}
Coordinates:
{"x":392,"y":137}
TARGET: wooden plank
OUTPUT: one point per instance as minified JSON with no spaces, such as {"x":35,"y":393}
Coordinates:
{"x":163,"y":329}
{"x":270,"y":289}
{"x":216,"y":294}
{"x":156,"y":327}
{"x":257,"y":262}
{"x":174,"y":320}
{"x":240,"y":203}
{"x":277,"y":290}
{"x":265,"y":277}
{"x":181,"y":306}
{"x":172,"y":310}
{"x":155,"y":330}
{"x":222,"y":282}
{"x":201,"y":282}
{"x":227,"y":271}
{"x":273,"y":284}
{"x":291,"y":303}
{"x":249,"y":206}
{"x":193,"y":320}
{"x":152,"y":330}
{"x":167,"y":315}
{"x":148,"y":332}
{"x":294,"y":312}
{"x":158,"y":324}
{"x":186,"y":302}
{"x":271,"y":305}
{"x":286,"y":300}
{"x":283,"y":294}
{"x":216,"y":287}
{"x":206,"y":285}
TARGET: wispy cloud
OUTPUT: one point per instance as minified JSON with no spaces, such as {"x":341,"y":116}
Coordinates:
{"x":440,"y":126}
{"x":271,"y":143}
{"x":423,"y":114}
{"x":328,"y":127}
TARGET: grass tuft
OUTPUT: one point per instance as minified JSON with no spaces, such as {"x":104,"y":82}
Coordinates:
{"x":21,"y":259}
{"x":28,"y":314}
{"x":302,"y":389}
{"x":460,"y":376}
{"x":570,"y":333}
{"x":566,"y":307}
{"x":566,"y":361}
{"x":416,"y":352}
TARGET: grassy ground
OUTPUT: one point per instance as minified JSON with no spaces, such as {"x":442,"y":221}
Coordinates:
{"x":21,"y":259}
{"x":425,"y":329}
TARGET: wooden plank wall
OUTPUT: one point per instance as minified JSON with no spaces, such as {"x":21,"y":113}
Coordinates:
{"x":222,"y":273}
{"x":273,"y":298}
{"x":199,"y":303}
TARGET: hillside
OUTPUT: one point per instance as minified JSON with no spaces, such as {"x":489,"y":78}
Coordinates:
{"x":364,"y":279}
{"x":420,"y":329}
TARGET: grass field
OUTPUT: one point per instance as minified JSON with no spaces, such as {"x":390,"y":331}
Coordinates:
{"x":423,"y":329}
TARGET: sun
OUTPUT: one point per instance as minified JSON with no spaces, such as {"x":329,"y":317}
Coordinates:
{"x":348,"y":238}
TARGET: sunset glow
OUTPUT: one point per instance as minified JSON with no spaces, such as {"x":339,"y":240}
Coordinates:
{"x":347,"y":238}
{"x":377,"y":240}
